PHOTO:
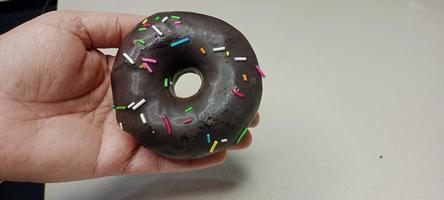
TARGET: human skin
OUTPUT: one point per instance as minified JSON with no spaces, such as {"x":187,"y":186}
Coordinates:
{"x":56,"y":121}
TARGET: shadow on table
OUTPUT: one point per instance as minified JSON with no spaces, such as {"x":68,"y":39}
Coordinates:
{"x":207,"y":182}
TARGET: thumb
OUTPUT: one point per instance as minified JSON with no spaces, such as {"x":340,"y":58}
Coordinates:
{"x":97,"y":29}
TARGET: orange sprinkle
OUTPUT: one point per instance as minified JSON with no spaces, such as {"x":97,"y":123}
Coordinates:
{"x":202,"y":50}
{"x":244,"y":76}
{"x":142,"y":66}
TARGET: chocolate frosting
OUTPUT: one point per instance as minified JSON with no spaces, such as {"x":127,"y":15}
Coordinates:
{"x":218,"y":115}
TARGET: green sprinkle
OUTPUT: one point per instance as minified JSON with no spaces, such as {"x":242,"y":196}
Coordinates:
{"x":241,"y":135}
{"x":142,"y":29}
{"x":165,"y":82}
{"x":120,"y":107}
{"x":175,"y":17}
{"x":189,"y":109}
{"x":157,"y":18}
{"x":140,"y":41}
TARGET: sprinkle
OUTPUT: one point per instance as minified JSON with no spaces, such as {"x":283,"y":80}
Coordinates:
{"x":240,"y":58}
{"x":238,"y":93}
{"x":142,"y":29}
{"x":218,"y":49}
{"x":167,"y":124}
{"x":148,"y":68}
{"x":180,"y":41}
{"x":213,"y":146}
{"x":150,"y":60}
{"x":146,"y":25}
{"x":224,"y":140}
{"x":244,"y":77}
{"x":260,"y":71}
{"x":131,"y":104}
{"x":145,"y":21}
{"x":175,"y":17}
{"x":157,"y":18}
{"x":202,"y":50}
{"x":165,"y":82}
{"x":227,"y":53}
{"x":187,"y":120}
{"x":121,"y":125}
{"x":157,"y":30}
{"x":177,"y":22}
{"x":208,"y":138}
{"x":138,"y":104}
{"x":140,"y":41}
{"x":189,"y":109}
{"x":142,"y":117}
{"x":164,"y":19}
{"x":242,"y":135}
{"x":119,"y":107}
{"x":130,"y":60}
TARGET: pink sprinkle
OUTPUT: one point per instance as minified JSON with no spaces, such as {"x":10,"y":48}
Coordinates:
{"x":260,"y":71}
{"x":177,"y":22}
{"x":146,"y":25}
{"x":167,"y":124}
{"x":148,"y":67}
{"x":238,"y":93}
{"x":150,"y":60}
{"x":188,"y":120}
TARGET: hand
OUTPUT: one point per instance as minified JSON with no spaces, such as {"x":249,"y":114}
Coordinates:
{"x":56,"y":121}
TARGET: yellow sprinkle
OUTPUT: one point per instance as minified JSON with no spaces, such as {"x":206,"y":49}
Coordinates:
{"x":214,"y":146}
{"x":244,"y":76}
{"x":202,"y":50}
{"x":145,"y":21}
{"x":227,"y":53}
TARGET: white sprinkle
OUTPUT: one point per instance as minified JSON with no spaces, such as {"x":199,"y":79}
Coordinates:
{"x":240,"y":58}
{"x":121,"y":125}
{"x":143,"y":118}
{"x":164,"y":19}
{"x":157,"y":30}
{"x":130,"y":60}
{"x":138,"y":104}
{"x":131,"y":104}
{"x":224,"y":140}
{"x":153,"y":131}
{"x":218,"y":49}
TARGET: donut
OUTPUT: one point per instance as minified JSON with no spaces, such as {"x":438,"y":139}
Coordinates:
{"x":150,"y":60}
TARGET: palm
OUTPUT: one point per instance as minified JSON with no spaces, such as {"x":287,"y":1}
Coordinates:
{"x":65,"y":110}
{"x":56,"y":99}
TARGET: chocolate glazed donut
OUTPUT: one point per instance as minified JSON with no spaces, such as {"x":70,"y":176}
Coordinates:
{"x":155,"y":54}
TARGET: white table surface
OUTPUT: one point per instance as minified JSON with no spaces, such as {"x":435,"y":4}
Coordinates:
{"x":353,"y":104}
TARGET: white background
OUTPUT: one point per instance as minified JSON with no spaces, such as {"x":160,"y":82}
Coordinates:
{"x":347,"y":82}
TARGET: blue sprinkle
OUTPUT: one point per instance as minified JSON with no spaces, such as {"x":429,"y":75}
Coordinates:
{"x":208,"y":138}
{"x":179,"y":42}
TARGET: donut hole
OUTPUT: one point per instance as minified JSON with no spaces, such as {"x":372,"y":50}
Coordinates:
{"x":186,"y":83}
